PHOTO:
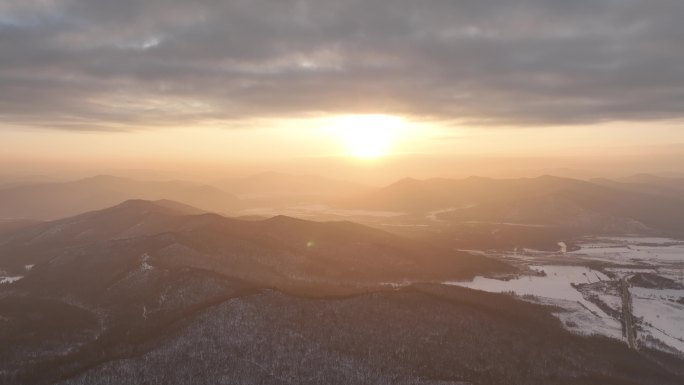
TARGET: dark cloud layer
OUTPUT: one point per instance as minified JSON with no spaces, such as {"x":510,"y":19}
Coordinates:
{"x":103,"y":64}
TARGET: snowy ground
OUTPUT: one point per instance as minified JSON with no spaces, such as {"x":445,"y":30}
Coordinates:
{"x":662,"y":316}
{"x":589,"y":297}
{"x":659,"y":312}
{"x":637,"y":249}
{"x":556,"y":288}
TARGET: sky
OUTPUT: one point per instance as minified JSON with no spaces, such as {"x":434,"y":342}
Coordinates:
{"x":178,"y":84}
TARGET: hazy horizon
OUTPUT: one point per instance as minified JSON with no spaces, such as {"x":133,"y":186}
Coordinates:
{"x":623,"y":162}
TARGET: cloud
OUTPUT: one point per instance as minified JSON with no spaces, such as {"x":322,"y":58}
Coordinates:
{"x":131,"y":64}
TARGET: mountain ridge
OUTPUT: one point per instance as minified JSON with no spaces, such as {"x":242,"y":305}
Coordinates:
{"x":596,"y":206}
{"x":58,"y":200}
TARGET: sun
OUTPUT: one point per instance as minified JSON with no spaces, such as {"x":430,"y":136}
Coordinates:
{"x":367,"y":136}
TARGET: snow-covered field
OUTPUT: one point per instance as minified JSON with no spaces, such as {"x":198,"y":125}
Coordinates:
{"x":632,"y":249}
{"x":577,"y":319}
{"x":556,"y":288}
{"x":555,"y":284}
{"x":591,"y":299}
{"x":663,"y":316}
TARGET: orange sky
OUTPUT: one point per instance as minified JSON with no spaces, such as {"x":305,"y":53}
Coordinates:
{"x":287,"y":144}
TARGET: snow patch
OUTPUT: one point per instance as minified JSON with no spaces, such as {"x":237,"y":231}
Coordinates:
{"x":9,"y":280}
{"x":563,"y":247}
{"x":145,"y":266}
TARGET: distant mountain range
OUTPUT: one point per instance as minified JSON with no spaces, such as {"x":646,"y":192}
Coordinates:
{"x":638,"y":205}
{"x":642,"y":204}
{"x":47,"y":201}
{"x":647,"y":184}
{"x":273,"y":188}
{"x":58,"y":200}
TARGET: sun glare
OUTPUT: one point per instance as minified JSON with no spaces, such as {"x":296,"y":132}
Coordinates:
{"x":367,"y":136}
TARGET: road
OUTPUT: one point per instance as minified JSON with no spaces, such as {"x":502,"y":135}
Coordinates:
{"x":627,"y":317}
